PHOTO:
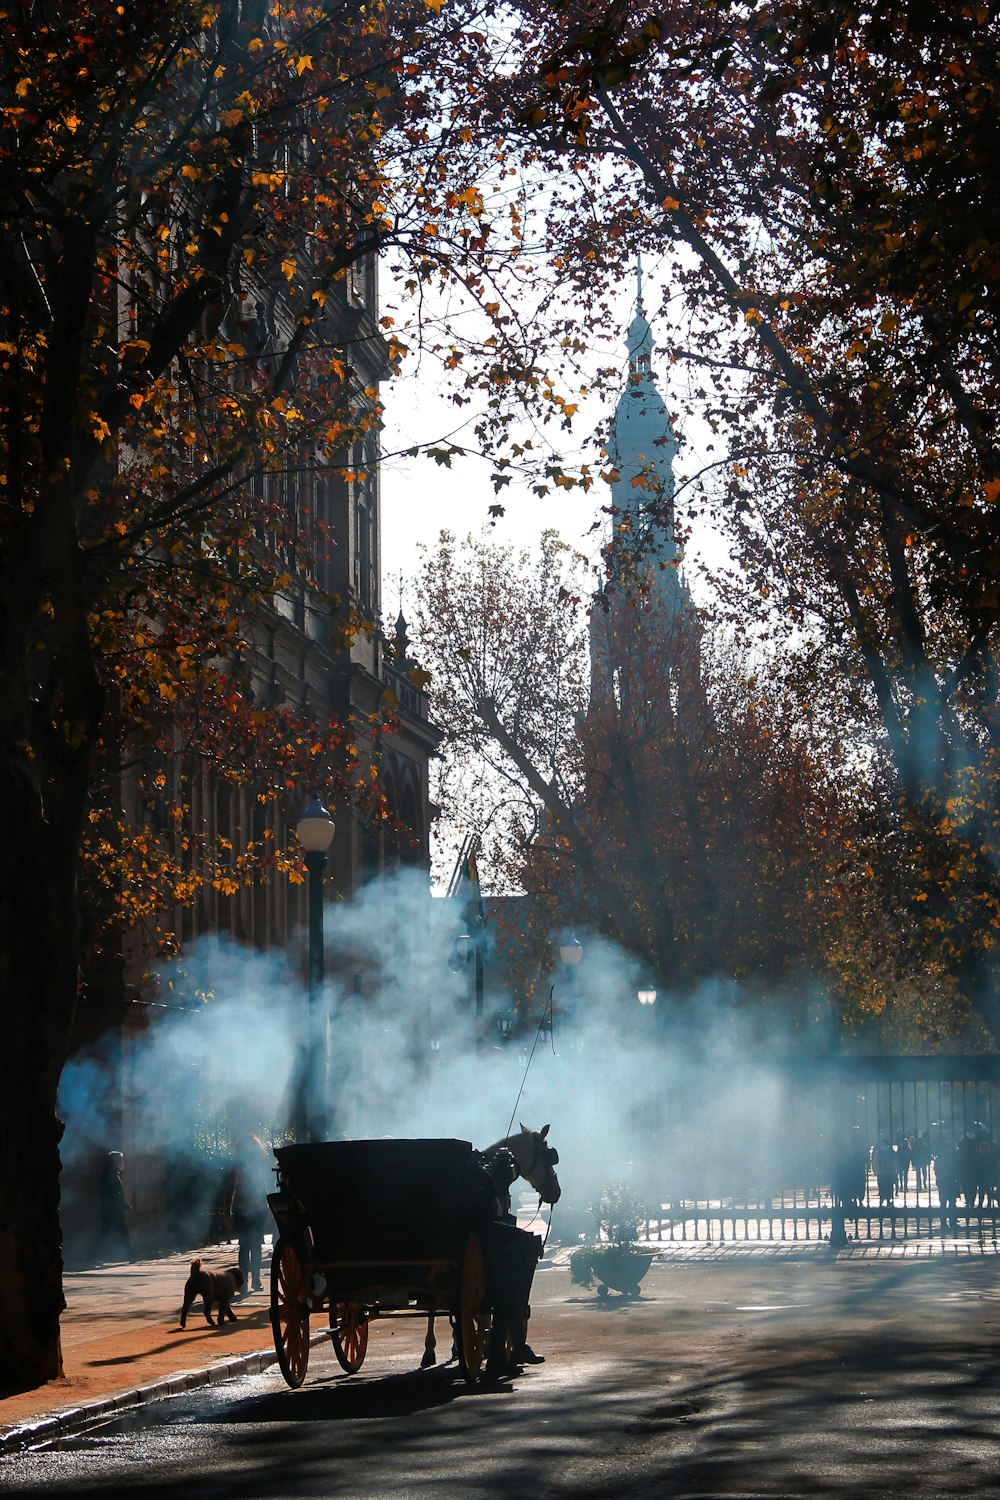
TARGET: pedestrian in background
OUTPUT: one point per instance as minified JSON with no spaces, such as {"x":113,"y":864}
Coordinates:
{"x":884,"y":1162}
{"x":114,"y":1207}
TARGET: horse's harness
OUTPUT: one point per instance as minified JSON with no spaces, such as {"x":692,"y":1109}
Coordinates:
{"x":542,"y":1153}
{"x":549,"y":1156}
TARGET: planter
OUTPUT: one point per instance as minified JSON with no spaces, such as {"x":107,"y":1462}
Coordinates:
{"x":611,"y":1266}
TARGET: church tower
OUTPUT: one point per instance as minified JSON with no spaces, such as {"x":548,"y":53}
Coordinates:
{"x":644,"y":579}
{"x":644,"y":553}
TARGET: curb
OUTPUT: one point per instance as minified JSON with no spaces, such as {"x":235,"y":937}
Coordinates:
{"x":42,"y":1431}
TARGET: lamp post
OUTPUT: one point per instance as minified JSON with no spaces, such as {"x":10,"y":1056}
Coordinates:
{"x":571,"y":952}
{"x":315,"y":829}
{"x":471,"y":946}
{"x":646,"y":996}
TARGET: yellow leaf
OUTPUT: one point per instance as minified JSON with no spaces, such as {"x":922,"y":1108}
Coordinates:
{"x":669,"y":203}
{"x":301,"y":63}
{"x":288,"y":267}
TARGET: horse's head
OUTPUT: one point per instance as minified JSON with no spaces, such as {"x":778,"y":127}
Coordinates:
{"x":536,"y":1161}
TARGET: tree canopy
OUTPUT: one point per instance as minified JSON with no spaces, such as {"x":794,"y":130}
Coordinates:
{"x":667,"y":786}
{"x":820,"y":190}
{"x":192,"y":197}
{"x":188,"y":191}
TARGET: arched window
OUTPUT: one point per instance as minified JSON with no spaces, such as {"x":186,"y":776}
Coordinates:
{"x":410,"y":847}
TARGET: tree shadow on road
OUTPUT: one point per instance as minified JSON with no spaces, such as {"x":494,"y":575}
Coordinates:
{"x":870,"y":1397}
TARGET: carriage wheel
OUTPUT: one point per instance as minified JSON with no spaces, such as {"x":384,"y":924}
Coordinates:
{"x":289,"y":1313}
{"x":470,"y":1324}
{"x":349,"y":1334}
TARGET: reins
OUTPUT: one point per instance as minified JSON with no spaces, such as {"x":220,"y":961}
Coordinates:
{"x":510,"y":1123}
{"x":546,"y":1012}
{"x":548,"y":1226}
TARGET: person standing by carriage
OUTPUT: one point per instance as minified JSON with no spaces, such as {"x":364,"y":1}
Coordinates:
{"x":244,"y":1203}
{"x":511,"y":1255}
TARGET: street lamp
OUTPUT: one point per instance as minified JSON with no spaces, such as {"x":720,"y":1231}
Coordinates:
{"x":647,"y":995}
{"x":570,"y":952}
{"x":464,"y":946}
{"x":505,"y":1024}
{"x":315,"y":829}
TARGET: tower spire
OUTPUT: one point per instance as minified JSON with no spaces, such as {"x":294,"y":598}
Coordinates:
{"x":639,"y":341}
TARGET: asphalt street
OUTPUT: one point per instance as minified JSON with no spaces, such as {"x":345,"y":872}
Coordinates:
{"x":808,"y":1376}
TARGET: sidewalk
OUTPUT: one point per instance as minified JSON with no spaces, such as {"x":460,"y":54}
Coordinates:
{"x":123,"y":1344}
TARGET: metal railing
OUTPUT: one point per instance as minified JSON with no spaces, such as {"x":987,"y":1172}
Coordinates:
{"x":872,"y":1148}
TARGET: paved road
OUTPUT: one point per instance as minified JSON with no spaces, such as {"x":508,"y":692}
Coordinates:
{"x":793,"y":1378}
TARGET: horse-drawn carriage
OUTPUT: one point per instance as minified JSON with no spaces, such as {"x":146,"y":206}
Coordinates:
{"x":372,"y":1229}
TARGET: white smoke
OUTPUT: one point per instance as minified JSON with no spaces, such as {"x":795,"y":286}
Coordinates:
{"x":621,"y":1085}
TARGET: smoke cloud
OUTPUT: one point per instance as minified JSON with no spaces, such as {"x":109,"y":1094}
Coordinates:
{"x":621,"y":1085}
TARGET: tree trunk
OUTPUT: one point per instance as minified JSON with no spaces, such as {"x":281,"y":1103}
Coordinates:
{"x":39,"y":944}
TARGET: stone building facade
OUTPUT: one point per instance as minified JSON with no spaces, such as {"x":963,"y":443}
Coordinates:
{"x":297,"y":657}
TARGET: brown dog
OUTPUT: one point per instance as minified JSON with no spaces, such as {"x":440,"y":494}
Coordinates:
{"x":211,"y":1287}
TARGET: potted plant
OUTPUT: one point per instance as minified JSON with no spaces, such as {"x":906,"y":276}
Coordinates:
{"x":614,"y":1261}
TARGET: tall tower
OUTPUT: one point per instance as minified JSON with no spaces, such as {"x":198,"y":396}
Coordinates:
{"x":644,"y":554}
{"x":645,"y":592}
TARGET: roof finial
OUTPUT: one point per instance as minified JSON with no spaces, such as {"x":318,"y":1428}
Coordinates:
{"x":401,"y":640}
{"x":640,"y":336}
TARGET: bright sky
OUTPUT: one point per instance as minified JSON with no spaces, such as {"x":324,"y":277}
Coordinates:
{"x":420,"y":497}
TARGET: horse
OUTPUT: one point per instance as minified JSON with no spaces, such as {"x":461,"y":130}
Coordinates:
{"x":536,"y":1162}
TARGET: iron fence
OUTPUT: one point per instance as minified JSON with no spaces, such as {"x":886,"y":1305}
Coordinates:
{"x":877,"y":1147}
